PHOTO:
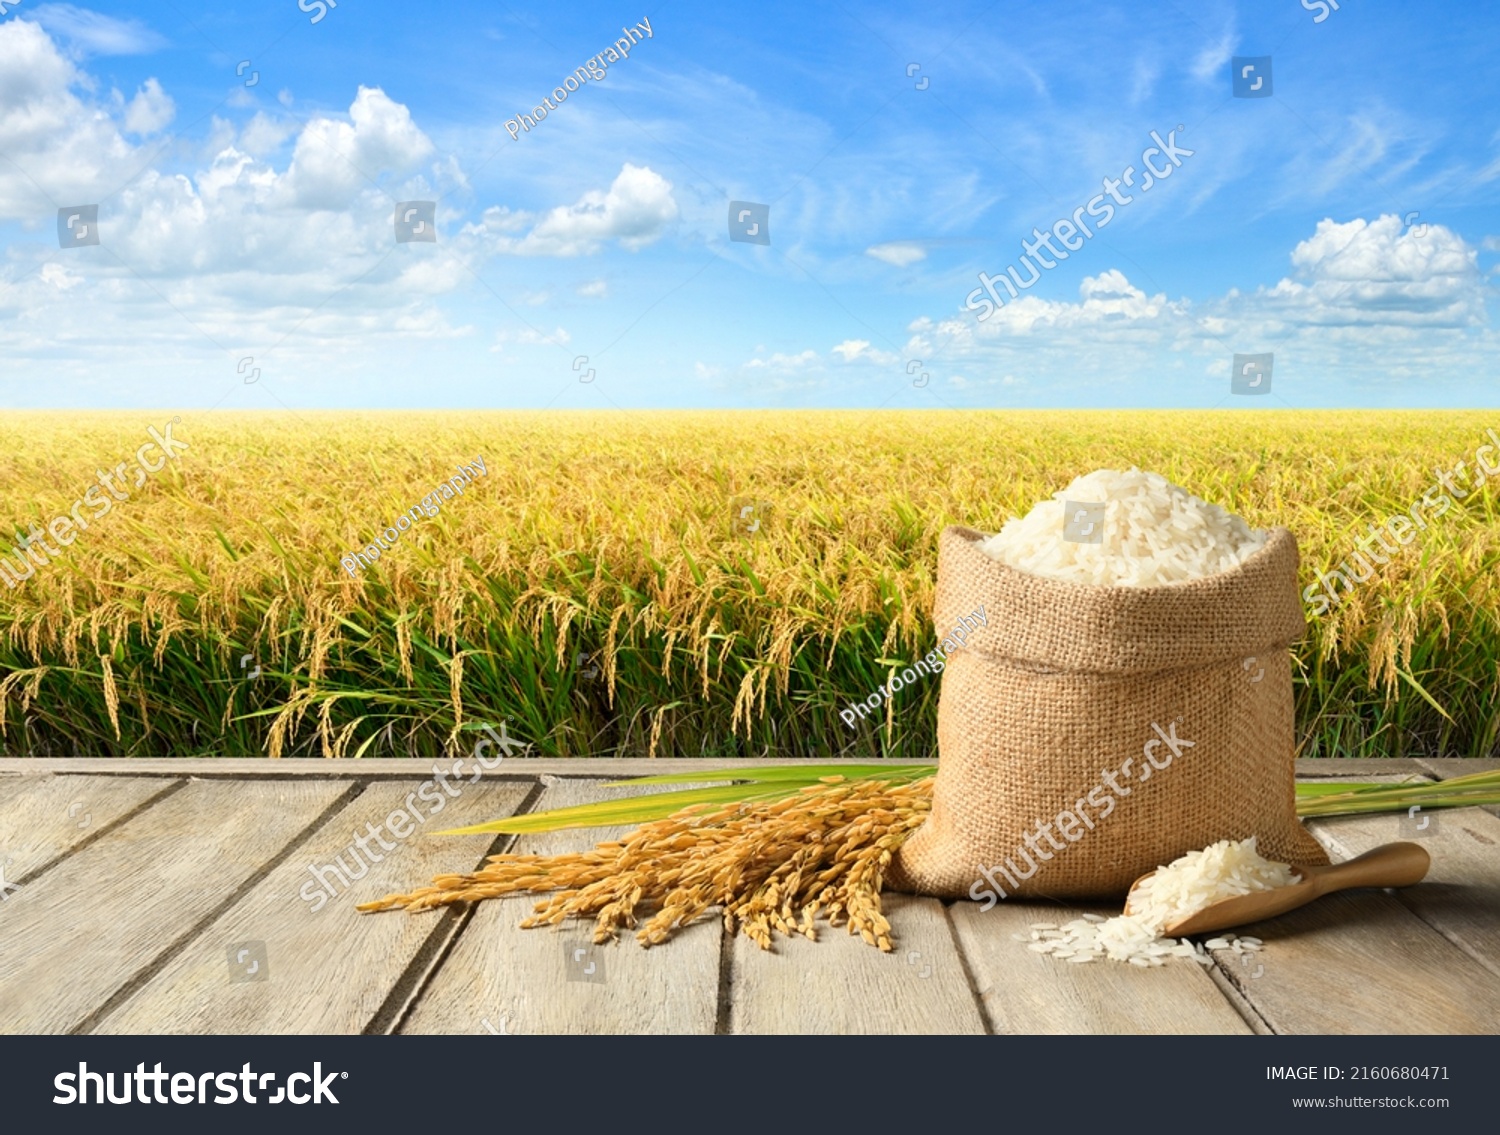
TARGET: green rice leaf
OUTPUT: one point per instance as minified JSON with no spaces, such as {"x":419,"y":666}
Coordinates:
{"x":754,"y":784}
{"x":631,"y":810}
{"x":1428,"y":698}
{"x":1472,"y":790}
{"x":806,"y":774}
{"x":779,"y":781}
{"x":1305,"y":791}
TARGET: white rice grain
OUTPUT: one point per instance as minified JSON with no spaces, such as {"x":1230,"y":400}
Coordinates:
{"x":1154,"y":533}
{"x":1180,"y":889}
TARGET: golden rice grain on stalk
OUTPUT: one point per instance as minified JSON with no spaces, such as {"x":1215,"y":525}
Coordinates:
{"x":772,"y":868}
{"x":608,"y":535}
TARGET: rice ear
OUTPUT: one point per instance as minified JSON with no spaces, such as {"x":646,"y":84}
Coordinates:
{"x":772,"y":866}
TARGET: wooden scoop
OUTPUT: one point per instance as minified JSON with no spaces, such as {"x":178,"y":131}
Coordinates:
{"x":1393,"y":865}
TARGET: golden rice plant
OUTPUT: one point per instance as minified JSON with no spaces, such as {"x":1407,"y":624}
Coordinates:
{"x":592,"y":592}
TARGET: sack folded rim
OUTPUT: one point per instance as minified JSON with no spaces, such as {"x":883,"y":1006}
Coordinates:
{"x":1060,"y":624}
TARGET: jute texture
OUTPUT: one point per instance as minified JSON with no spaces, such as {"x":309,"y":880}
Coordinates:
{"x":1182,"y":692}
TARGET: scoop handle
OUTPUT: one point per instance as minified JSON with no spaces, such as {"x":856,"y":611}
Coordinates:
{"x":1390,"y":865}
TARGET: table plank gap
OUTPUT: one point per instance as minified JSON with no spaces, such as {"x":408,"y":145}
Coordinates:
{"x":126,"y":882}
{"x":1030,"y":993}
{"x":1256,"y":1023}
{"x":404,"y":768}
{"x":403,"y":998}
{"x":1446,"y":768}
{"x":969,"y":974}
{"x":1460,"y":898}
{"x":149,"y":972}
{"x":841,"y":985}
{"x":1361,"y":962}
{"x":327,"y":968}
{"x":46,"y":819}
{"x":88,"y":928}
{"x":552,"y":979}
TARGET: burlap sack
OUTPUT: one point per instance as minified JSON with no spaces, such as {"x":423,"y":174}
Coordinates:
{"x":1179,"y":696}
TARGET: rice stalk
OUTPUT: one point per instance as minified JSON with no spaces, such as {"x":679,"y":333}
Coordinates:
{"x":771,"y":866}
{"x":1480,"y":789}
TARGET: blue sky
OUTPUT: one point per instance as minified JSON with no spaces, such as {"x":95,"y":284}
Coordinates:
{"x":1347,"y":224}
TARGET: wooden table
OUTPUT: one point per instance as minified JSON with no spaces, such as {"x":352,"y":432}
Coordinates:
{"x":179,"y":896}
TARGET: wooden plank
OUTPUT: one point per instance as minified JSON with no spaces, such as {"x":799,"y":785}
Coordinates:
{"x":328,"y":968}
{"x":1360,"y":962}
{"x":1448,"y":767}
{"x":43,"y":818}
{"x":1358,"y":768}
{"x":532,"y":981}
{"x":90,"y":925}
{"x":592,"y":768}
{"x":840,"y":985}
{"x":1026,"y":992}
{"x":1460,"y":897}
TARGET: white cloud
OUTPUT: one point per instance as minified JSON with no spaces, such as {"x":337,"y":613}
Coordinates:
{"x":703,"y":370}
{"x":501,"y":219}
{"x":1379,"y":272}
{"x":1359,"y":273}
{"x":1143,"y":80}
{"x":532,"y":337}
{"x":594,"y":289}
{"x":51,"y":138}
{"x":150,"y":110}
{"x":859,"y":349}
{"x":219,"y":254}
{"x":1212,"y":62}
{"x":56,"y":276}
{"x":963,"y":382}
{"x":334,"y":160}
{"x":1371,"y":146}
{"x":779,"y":361}
{"x":264,"y":135}
{"x":634,"y":211}
{"x":899,"y":253}
{"x":1106,"y":299}
{"x":1404,"y":304}
{"x":92,"y":33}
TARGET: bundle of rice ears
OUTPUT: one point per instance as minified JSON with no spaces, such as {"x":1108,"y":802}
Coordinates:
{"x":771,"y":867}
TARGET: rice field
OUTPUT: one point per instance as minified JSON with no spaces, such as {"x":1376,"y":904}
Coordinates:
{"x":674,"y":584}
